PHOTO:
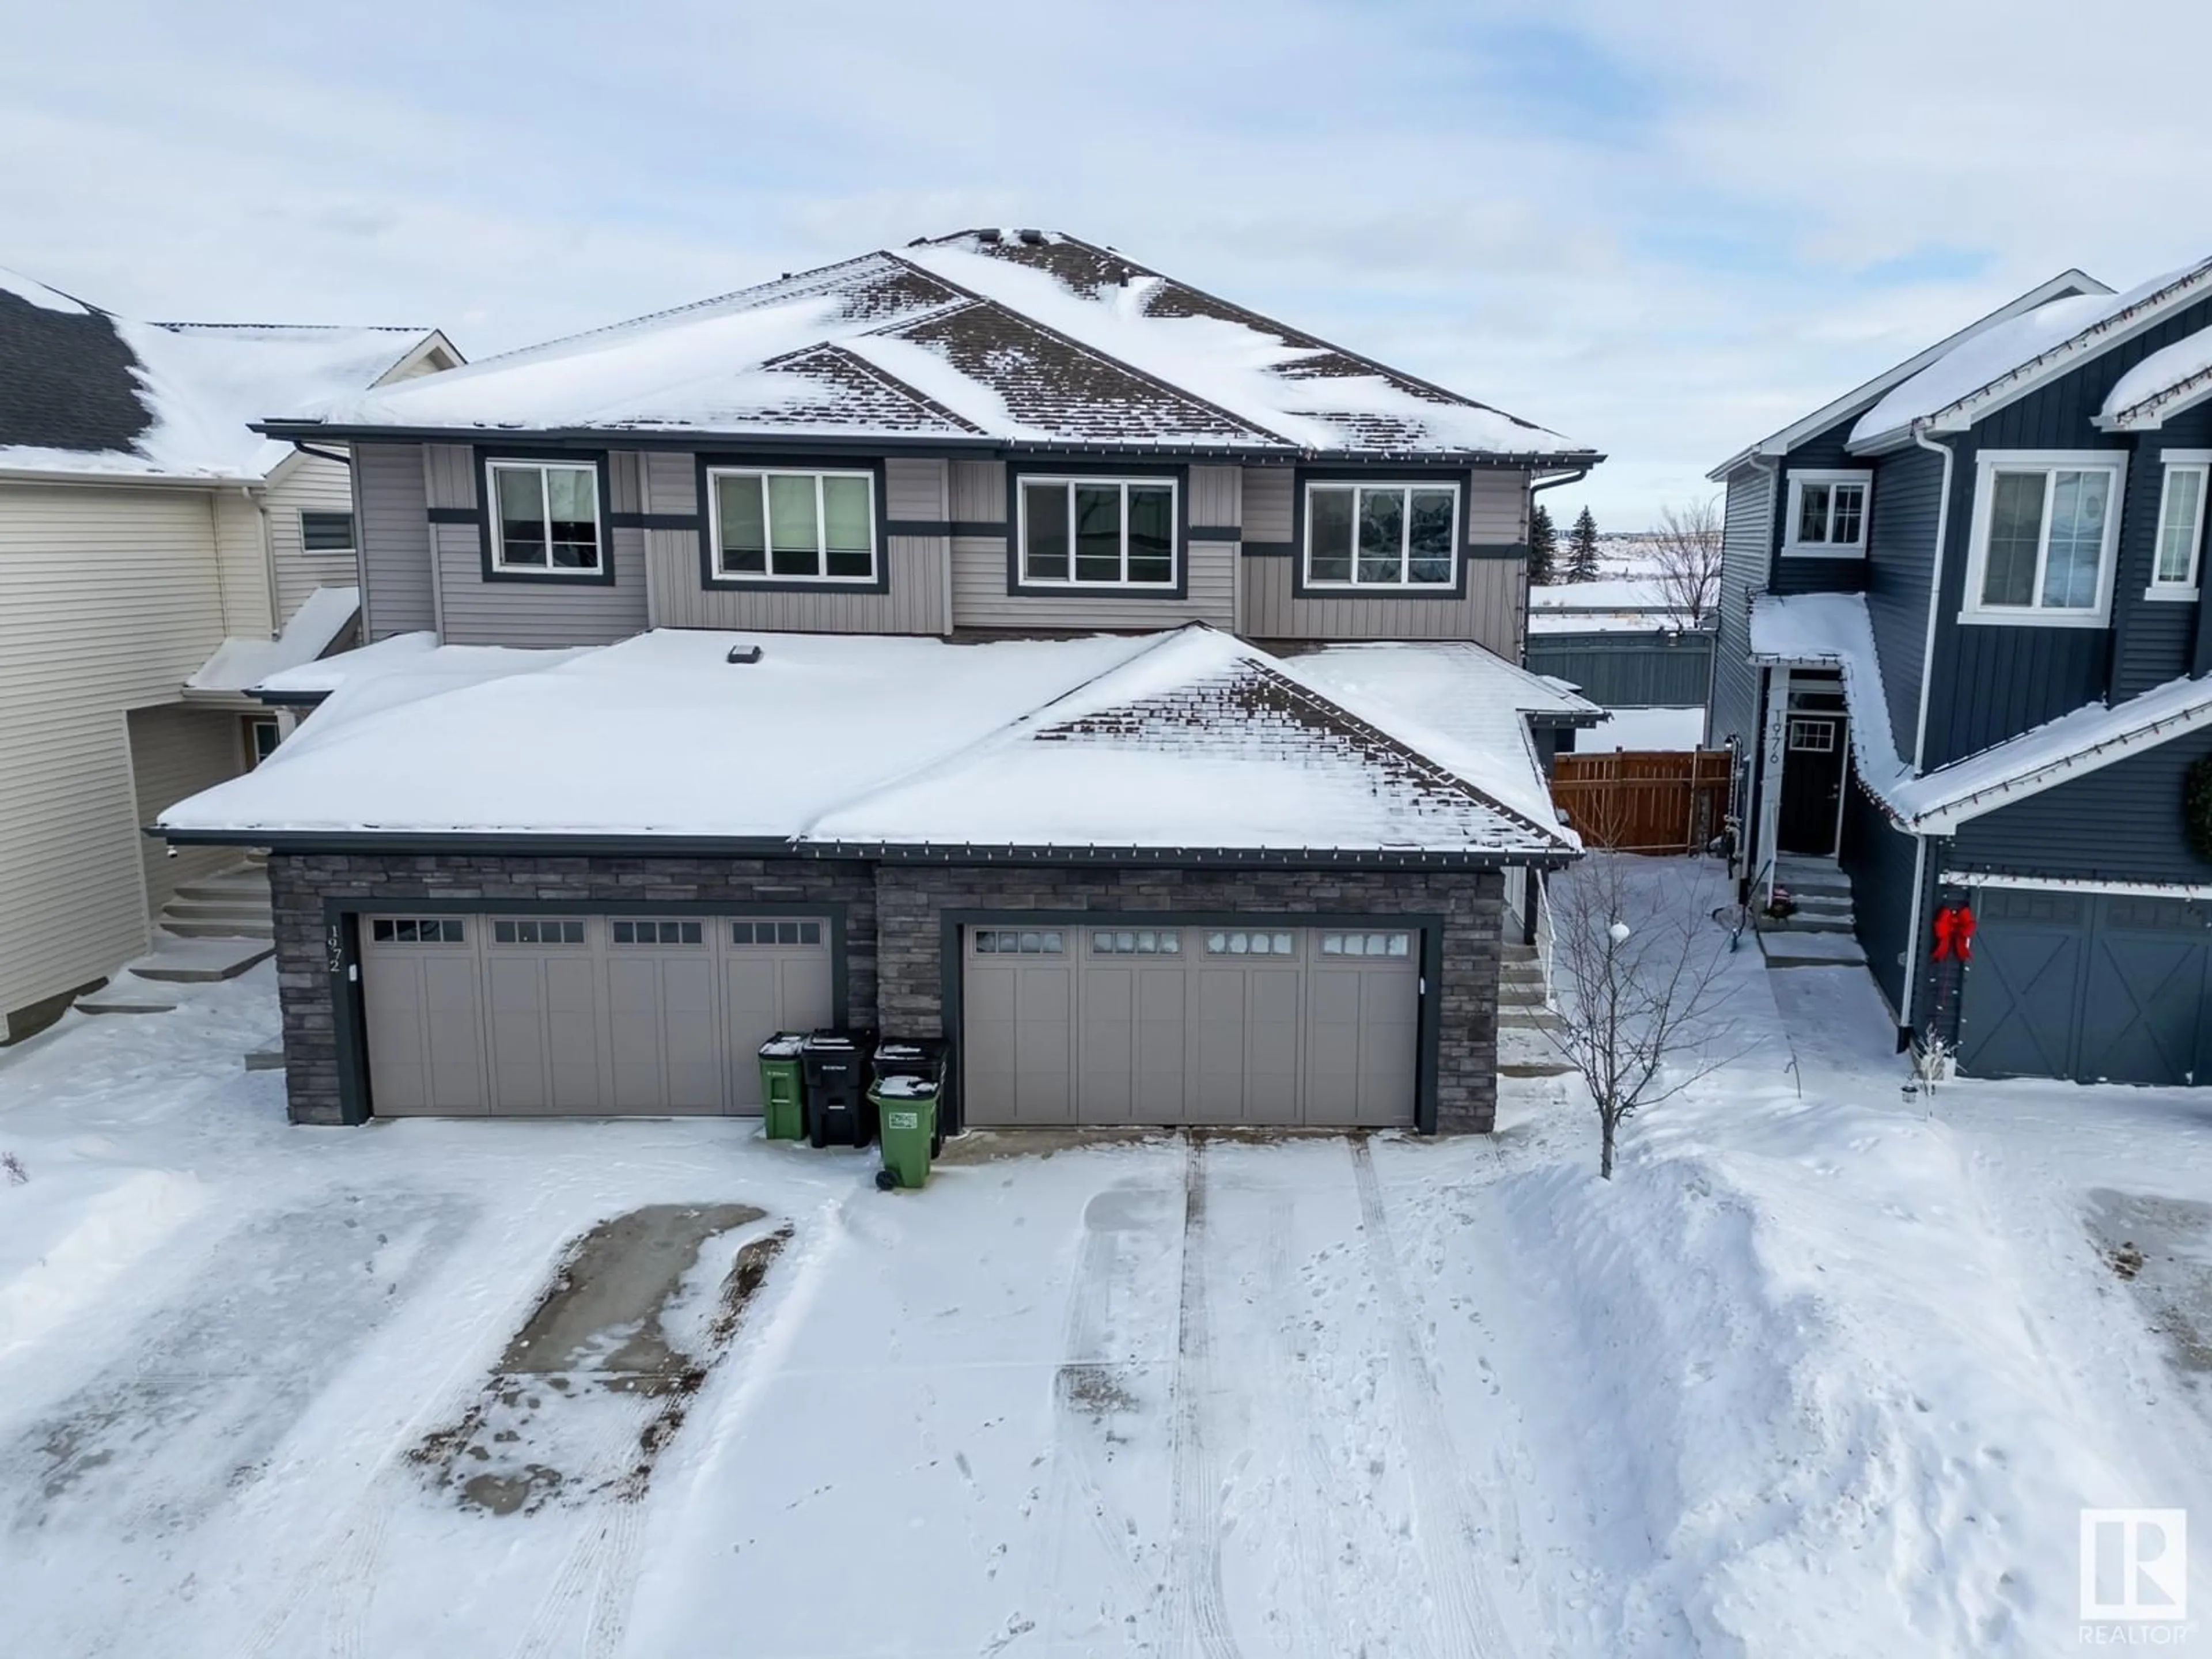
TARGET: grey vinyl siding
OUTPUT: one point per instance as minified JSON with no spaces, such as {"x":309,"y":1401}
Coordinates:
{"x":1659,"y":669}
{"x":1497,"y":520}
{"x":2121,"y":823}
{"x":308,"y":484}
{"x":1746,"y":537}
{"x":980,"y":599}
{"x":474,"y":611}
{"x":394,"y":566}
{"x":1878,"y":857}
{"x":177,"y":752}
{"x":1908,"y":495}
{"x":915,"y":601}
{"x":2153,"y":640}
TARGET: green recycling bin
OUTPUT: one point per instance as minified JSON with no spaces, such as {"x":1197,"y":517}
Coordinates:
{"x":783,"y":1086}
{"x":906,"y":1125}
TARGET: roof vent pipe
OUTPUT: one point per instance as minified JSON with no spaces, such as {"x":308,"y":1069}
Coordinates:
{"x":1032,"y":238}
{"x":744,"y":653}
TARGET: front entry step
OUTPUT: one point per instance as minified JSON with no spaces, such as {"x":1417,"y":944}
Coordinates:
{"x":200,"y":961}
{"x":1811,"y":950}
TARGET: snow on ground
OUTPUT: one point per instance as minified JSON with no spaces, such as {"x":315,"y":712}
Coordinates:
{"x":1827,"y":1375}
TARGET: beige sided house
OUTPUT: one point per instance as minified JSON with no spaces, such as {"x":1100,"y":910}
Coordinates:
{"x":993,"y":639}
{"x":156,"y":556}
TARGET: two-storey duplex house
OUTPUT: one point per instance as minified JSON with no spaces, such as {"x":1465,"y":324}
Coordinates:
{"x":156,"y":555}
{"x":1965,"y":655}
{"x":994,"y":638}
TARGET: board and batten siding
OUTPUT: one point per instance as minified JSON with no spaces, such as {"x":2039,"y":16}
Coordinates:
{"x":1491,"y":613}
{"x":980,"y":599}
{"x":109,"y":598}
{"x":474,"y":611}
{"x":2154,"y":640}
{"x":392,"y":497}
{"x":307,"y":483}
{"x":2124,"y":822}
{"x":177,"y":752}
{"x":915,"y":489}
{"x":1747,"y":540}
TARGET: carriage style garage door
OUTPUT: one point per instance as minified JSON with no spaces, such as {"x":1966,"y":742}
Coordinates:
{"x":2098,"y":987}
{"x":1255,"y":1024}
{"x":594,"y":1016}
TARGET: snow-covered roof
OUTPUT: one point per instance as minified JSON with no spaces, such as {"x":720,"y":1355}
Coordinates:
{"x":1465,"y":706}
{"x":241,"y":663}
{"x":1834,"y":629}
{"x":980,"y":337}
{"x":84,"y":391}
{"x":1186,"y":740}
{"x":418,"y":659}
{"x":1860,"y":397}
{"x":2169,"y":380}
{"x":2002,"y":361}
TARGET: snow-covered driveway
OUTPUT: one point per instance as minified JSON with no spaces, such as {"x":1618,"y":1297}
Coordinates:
{"x":1210,"y":1397}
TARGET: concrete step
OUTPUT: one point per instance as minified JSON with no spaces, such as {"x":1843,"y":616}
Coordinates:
{"x":200,"y":961}
{"x":1510,"y":953}
{"x":1812,"y":950}
{"x":1533,"y":1068}
{"x":1528,"y":1019}
{"x":1811,"y":876}
{"x":262,"y":929}
{"x":1530,"y":978}
{"x":1803,"y":922}
{"x":247,"y":906}
{"x":230,"y":885}
{"x":270,"y":1059}
{"x":1822,"y":904}
{"x":126,"y":993}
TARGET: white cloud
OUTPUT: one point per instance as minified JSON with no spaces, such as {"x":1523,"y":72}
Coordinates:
{"x":1665,"y":230}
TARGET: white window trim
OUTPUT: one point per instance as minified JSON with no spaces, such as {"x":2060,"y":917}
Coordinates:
{"x":596,"y":571}
{"x":1452,"y":582}
{"x":349,"y":550}
{"x":2198,"y":461}
{"x":1990,"y":462}
{"x":1071,"y":581}
{"x":1794,"y":549}
{"x":770,"y":577}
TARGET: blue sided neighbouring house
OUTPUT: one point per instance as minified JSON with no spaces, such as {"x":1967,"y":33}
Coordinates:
{"x":1966,"y":667}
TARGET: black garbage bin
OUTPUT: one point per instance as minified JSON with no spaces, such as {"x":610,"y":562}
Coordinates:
{"x":921,"y":1057}
{"x":838,"y":1111}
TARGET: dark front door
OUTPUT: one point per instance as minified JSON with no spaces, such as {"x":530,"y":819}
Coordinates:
{"x":1812,"y":783}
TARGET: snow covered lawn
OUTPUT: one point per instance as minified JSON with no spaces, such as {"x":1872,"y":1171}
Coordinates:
{"x":1819,"y":1376}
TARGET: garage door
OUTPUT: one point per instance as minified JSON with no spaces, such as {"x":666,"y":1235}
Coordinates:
{"x":599,"y":1015}
{"x":2098,"y":987}
{"x":1254,"y":1024}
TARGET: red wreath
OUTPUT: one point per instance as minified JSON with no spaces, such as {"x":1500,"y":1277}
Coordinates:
{"x":1954,"y":932}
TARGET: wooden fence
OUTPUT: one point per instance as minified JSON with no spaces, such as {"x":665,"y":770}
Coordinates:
{"x":1643,"y":801}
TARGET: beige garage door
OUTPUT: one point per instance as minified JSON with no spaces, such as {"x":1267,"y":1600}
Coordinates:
{"x":1099,"y":1024}
{"x":596,"y":1016}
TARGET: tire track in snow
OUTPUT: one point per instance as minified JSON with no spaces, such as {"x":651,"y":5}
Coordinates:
{"x":1305,"y":1475}
{"x":1196,"y":1612}
{"x":1450,"y":1522}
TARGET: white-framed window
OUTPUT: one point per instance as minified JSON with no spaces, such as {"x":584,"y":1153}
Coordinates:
{"x":808,"y":525}
{"x":545,"y":518}
{"x":1382,"y":535}
{"x":1828,"y":515}
{"x":322,"y":532}
{"x":2179,"y":550}
{"x":2046,"y":532}
{"x":1097,"y":532}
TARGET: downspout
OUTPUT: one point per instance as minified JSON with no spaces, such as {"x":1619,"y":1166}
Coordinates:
{"x":1527,"y":587}
{"x":1920,"y":732}
{"x":260,"y":505}
{"x":1752,"y":823}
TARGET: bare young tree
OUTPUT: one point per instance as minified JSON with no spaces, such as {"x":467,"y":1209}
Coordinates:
{"x":1687,"y":549}
{"x":1640,"y":969}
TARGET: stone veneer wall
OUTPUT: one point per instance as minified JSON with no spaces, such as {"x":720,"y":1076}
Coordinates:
{"x":298,"y":885}
{"x":910,"y":899}
{"x":893,"y":931}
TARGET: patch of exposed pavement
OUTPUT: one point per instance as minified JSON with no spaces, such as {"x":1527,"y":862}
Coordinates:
{"x":2161,"y":1249}
{"x":595,"y":1382}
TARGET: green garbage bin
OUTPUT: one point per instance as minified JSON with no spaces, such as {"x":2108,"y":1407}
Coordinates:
{"x":783,"y":1086}
{"x":906,"y":1125}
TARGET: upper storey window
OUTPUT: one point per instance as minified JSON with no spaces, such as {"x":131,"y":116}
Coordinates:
{"x":810,"y":527}
{"x":1827,"y":515}
{"x":1382,"y":535}
{"x":1097,"y":532}
{"x":2045,"y":532}
{"x":2180,"y":524}
{"x":545,"y":518}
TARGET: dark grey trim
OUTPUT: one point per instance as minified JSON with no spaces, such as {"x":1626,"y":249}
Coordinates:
{"x":1024,"y":856}
{"x":953,"y":965}
{"x":452,"y":515}
{"x":1215,"y":533}
{"x":711,"y":581}
{"x":1462,"y":477}
{"x":983,"y":528}
{"x":1178,"y":474}
{"x":480,"y":459}
{"x":1269,"y":550}
{"x":1495,"y":551}
{"x":918,"y":527}
{"x":342,"y":943}
{"x":596,"y":438}
{"x":652,"y":521}
{"x":287,"y":699}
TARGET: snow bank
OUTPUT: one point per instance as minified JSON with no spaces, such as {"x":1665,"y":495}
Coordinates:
{"x":65,"y":1239}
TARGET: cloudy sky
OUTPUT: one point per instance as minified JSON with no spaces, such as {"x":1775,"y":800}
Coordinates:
{"x":1664,"y":230}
